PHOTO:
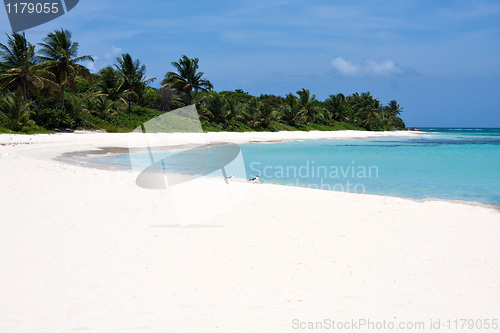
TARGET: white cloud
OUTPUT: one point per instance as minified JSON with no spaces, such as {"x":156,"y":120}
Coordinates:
{"x":345,"y":67}
{"x":368,"y":67}
{"x":116,"y":50}
{"x":381,"y":67}
{"x":106,"y":59}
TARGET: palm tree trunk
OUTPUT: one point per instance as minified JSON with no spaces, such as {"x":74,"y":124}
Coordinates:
{"x":25,"y":93}
{"x":62,"y":98}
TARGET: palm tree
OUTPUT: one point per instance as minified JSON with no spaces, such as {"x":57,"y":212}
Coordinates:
{"x":390,"y":116}
{"x":339,"y":109}
{"x":134,"y":74}
{"x":268,"y":115}
{"x":217,"y":109}
{"x":75,"y":104}
{"x":17,"y":51}
{"x":234,"y":108}
{"x":394,"y":109}
{"x":307,"y":102}
{"x":187,"y":78}
{"x":18,"y":69}
{"x":370,"y":110}
{"x":60,"y":56}
{"x":252,"y":114}
{"x":100,"y":106}
{"x":15,"y":110}
{"x":292,"y":111}
{"x":366,"y":110}
{"x":110,"y":83}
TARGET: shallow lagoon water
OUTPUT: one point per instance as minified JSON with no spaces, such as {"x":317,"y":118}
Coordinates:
{"x":451,"y":164}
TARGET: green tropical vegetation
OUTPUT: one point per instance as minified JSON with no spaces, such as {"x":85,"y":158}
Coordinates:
{"x":186,"y":79}
{"x":50,"y":89}
{"x":59,"y":56}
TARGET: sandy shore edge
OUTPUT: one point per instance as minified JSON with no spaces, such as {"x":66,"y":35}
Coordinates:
{"x":85,"y":137}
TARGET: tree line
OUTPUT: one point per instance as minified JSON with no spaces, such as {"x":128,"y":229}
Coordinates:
{"x":50,"y":89}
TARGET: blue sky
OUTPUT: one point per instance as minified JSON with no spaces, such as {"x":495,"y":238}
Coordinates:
{"x":438,"y":59}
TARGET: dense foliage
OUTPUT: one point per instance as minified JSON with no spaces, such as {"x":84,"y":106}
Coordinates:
{"x":50,"y":89}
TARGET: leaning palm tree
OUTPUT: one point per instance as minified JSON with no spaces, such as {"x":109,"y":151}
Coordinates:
{"x":19,"y":70}
{"x":389,"y":117}
{"x":134,"y":74}
{"x":60,"y":56}
{"x":187,"y":78}
{"x":15,"y":110}
{"x":394,"y":109}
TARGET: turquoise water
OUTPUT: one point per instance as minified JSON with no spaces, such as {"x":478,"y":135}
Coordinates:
{"x":456,"y":164}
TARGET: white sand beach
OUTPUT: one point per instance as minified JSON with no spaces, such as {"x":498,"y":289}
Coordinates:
{"x":87,"y":250}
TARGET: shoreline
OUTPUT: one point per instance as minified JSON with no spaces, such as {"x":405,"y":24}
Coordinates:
{"x":116,"y":168}
{"x":36,"y":146}
{"x":211,"y":137}
{"x":52,"y":147}
{"x":87,"y":249}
